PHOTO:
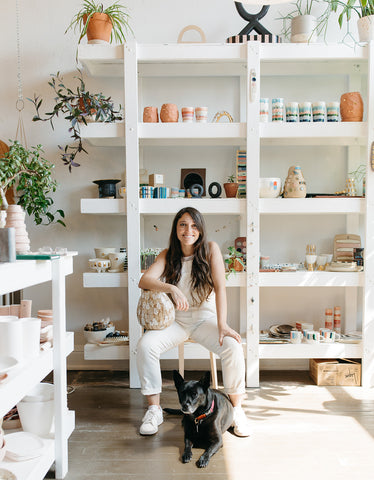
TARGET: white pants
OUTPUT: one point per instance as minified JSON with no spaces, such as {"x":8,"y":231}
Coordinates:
{"x":205,"y":332}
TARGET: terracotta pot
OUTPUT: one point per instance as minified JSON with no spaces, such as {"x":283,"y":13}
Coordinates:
{"x":351,"y":107}
{"x":150,"y":115}
{"x":169,"y":112}
{"x":236,"y":265}
{"x":99,"y":28}
{"x":231,"y":189}
{"x":83,"y":108}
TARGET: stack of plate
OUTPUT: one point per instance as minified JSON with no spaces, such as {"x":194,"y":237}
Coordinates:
{"x":22,"y":446}
{"x":280,"y":331}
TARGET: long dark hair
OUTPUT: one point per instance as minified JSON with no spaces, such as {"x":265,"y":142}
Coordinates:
{"x":201,"y":277}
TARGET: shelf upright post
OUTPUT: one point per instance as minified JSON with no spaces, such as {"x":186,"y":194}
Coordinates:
{"x":253,"y":220}
{"x":132,"y":201}
{"x":59,"y":367}
{"x":368,"y":297}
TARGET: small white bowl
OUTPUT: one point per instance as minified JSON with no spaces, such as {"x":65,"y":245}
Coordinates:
{"x":103,"y":252}
{"x":270,"y":187}
{"x":97,"y":336}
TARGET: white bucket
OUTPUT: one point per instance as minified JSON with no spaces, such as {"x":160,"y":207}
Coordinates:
{"x":36,"y":410}
{"x":11,"y":338}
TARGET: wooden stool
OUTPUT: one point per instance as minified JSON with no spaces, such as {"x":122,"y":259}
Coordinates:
{"x":213,"y":364}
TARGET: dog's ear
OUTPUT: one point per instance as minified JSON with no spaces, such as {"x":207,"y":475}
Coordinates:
{"x":178,"y":379}
{"x":205,"y":381}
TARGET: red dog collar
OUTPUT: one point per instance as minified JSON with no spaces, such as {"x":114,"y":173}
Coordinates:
{"x":200,"y":418}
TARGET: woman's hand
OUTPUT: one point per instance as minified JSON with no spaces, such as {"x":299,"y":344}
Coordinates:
{"x":180,"y":300}
{"x":226,"y":331}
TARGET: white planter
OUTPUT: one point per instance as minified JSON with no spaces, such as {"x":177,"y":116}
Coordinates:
{"x":365,"y":26}
{"x":303,"y":29}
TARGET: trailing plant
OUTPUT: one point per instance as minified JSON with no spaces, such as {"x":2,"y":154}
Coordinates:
{"x":31,"y":175}
{"x":363,"y":8}
{"x":116,"y":13}
{"x":76,"y":107}
{"x":308,"y":7}
{"x":233,"y":256}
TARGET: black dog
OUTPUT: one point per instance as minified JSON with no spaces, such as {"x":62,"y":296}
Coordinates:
{"x":208,"y":413}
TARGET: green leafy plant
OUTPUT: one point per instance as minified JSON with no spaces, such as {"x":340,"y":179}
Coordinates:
{"x":363,"y":8}
{"x":116,"y":13}
{"x":77,"y":107}
{"x":234,"y":256}
{"x":308,"y":7}
{"x":148,"y":256}
{"x":231,"y":179}
{"x":31,"y":175}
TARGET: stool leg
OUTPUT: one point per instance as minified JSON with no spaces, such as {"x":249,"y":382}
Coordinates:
{"x":181,"y":358}
{"x":213,"y":369}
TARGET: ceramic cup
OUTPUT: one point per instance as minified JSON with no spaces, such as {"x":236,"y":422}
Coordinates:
{"x":292,"y":112}
{"x":332,"y":111}
{"x":99,"y":264}
{"x":201,"y":114}
{"x":187,"y":114}
{"x":277,"y":105}
{"x":264,"y":109}
{"x":312,"y":336}
{"x":328,"y":336}
{"x":319,"y":111}
{"x":31,"y":337}
{"x":117,"y":262}
{"x":174,"y":192}
{"x":305,"y":112}
{"x":321,"y":262}
{"x":296,"y":336}
{"x":307,"y":326}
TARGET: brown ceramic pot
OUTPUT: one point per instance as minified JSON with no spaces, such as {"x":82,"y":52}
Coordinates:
{"x":169,"y":112}
{"x":231,"y":189}
{"x":351,"y":107}
{"x":150,"y":115}
{"x":99,"y":27}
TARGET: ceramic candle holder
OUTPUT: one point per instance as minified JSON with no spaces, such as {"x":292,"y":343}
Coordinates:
{"x":292,"y":112}
{"x":169,"y":113}
{"x":150,"y":115}
{"x":187,"y":114}
{"x":201,"y":114}
{"x":264,"y":109}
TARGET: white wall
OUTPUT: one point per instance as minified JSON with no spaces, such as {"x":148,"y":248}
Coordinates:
{"x":46,"y":50}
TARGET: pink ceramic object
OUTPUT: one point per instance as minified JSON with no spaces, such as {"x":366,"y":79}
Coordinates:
{"x":169,"y":113}
{"x":187,"y":114}
{"x":201,"y":114}
{"x":150,"y":115}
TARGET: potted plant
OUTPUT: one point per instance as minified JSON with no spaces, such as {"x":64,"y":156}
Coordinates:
{"x":101,"y":25}
{"x":301,"y":25}
{"x":77,"y":107}
{"x":148,"y":256}
{"x":365,"y":11}
{"x":234,"y":261}
{"x":231,"y":187}
{"x":30,"y":174}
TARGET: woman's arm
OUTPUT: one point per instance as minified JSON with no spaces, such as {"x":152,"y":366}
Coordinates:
{"x":150,"y":280}
{"x":219,"y":281}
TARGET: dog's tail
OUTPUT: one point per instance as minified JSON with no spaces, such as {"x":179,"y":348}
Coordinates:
{"x":173,"y":411}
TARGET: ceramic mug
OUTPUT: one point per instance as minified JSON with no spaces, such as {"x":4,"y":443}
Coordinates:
{"x":305,"y":112}
{"x":319,"y":111}
{"x":312,"y":336}
{"x":117,"y":262}
{"x":277,"y":105}
{"x":328,"y":336}
{"x":264,"y":109}
{"x":296,"y":336}
{"x":292,"y":112}
{"x":187,"y":114}
{"x":332,"y":111}
{"x":201,"y":114}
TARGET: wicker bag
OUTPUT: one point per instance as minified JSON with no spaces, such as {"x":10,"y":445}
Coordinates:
{"x":155,"y":310}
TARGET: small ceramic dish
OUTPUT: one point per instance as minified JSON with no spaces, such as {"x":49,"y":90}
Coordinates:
{"x":270,"y":187}
{"x":96,"y":336}
{"x":99,"y":264}
{"x":7,"y":363}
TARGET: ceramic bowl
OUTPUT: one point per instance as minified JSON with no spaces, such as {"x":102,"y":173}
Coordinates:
{"x":2,"y":448}
{"x":104,"y":252}
{"x":99,"y":264}
{"x":270,"y":187}
{"x":97,"y":336}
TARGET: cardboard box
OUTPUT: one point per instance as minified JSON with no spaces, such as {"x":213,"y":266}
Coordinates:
{"x":341,"y":372}
{"x":156,"y":180}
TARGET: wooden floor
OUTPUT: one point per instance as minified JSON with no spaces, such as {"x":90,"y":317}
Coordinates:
{"x":301,"y":431}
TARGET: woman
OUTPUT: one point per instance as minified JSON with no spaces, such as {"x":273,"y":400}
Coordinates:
{"x":192,"y":271}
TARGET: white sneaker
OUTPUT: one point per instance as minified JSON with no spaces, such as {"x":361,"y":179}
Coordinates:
{"x":241,"y":424}
{"x":151,"y":420}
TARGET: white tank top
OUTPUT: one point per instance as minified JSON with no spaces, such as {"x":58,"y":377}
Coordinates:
{"x":208,"y":307}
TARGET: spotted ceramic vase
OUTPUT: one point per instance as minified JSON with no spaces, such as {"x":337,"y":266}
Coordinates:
{"x":294,"y":185}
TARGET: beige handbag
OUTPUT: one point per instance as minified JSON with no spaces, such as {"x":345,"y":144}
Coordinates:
{"x":155,"y":310}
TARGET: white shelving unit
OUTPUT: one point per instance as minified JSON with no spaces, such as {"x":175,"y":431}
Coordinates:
{"x":140,"y":62}
{"x":16,"y":276}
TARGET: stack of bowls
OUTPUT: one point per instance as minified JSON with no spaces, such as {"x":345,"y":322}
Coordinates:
{"x":46,"y":325}
{"x":16,"y":219}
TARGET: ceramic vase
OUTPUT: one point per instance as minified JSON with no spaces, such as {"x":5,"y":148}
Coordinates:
{"x":169,"y":113}
{"x":303,"y":29}
{"x":365,"y":27}
{"x":351,"y":107}
{"x":294,"y":186}
{"x":16,"y":219}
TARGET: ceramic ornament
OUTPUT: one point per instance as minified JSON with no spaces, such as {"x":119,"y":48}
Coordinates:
{"x":294,"y":185}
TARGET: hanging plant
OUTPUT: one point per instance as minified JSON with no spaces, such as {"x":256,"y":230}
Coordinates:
{"x":77,"y":107}
{"x":31,"y":175}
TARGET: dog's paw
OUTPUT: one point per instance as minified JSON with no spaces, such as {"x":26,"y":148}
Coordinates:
{"x":203,"y":461}
{"x":186,"y":457}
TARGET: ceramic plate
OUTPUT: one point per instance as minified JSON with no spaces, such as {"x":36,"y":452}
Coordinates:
{"x":7,"y":475}
{"x":6,"y":363}
{"x":23,"y":446}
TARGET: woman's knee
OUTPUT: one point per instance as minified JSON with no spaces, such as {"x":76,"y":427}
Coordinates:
{"x":232,"y":350}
